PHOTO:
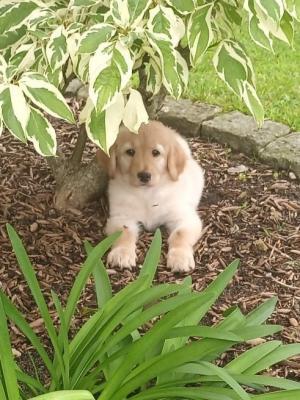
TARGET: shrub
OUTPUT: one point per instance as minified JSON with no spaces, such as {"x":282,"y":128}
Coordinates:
{"x":145,"y":342}
{"x":44,"y":44}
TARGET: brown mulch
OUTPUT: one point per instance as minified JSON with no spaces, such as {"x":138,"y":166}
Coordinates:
{"x":254,"y":216}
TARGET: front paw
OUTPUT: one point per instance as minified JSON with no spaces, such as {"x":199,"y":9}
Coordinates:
{"x":123,"y":257}
{"x":181,"y":259}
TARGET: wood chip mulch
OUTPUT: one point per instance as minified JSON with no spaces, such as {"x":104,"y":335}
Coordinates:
{"x":252,"y":215}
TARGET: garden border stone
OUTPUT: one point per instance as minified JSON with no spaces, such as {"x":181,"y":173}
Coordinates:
{"x":274,"y":143}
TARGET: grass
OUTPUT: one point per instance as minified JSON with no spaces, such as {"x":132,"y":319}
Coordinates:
{"x":277,"y":76}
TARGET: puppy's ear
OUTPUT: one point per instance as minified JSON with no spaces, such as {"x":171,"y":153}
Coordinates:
{"x":107,"y":162}
{"x":176,"y":161}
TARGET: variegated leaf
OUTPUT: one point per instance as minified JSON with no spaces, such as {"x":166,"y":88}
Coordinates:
{"x":258,"y":34}
{"x":82,"y":3}
{"x":183,"y":6}
{"x":234,"y":67}
{"x":293,"y":8}
{"x":10,"y":38}
{"x":14,"y":110}
{"x":86,"y":111}
{"x":103,"y":127}
{"x":3,"y":70}
{"x":128,"y":13}
{"x":15,"y":14}
{"x":24,"y":57}
{"x":154,"y":76}
{"x":110,"y":70}
{"x":41,"y":133}
{"x":46,"y":96}
{"x":287,"y":27}
{"x":164,"y":20}
{"x":168,"y":58}
{"x":273,"y":9}
{"x":56,"y":49}
{"x":183,"y":70}
{"x":135,"y":112}
{"x":199,"y":32}
{"x":96,"y":35}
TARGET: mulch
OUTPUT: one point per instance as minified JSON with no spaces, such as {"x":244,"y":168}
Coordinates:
{"x":252,"y":215}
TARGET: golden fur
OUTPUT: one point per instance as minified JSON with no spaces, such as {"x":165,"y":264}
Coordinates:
{"x":153,"y":181}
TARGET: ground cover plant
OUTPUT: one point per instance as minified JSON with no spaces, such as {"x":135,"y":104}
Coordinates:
{"x":129,"y":54}
{"x":137,"y":343}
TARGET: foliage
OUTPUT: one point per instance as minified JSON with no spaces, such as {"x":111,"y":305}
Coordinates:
{"x":146,"y":342}
{"x":104,"y":43}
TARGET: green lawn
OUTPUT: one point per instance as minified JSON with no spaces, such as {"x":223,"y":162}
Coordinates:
{"x":277,"y":76}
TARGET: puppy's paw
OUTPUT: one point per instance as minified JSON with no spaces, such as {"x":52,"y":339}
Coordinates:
{"x":123,"y":257}
{"x":181,"y":259}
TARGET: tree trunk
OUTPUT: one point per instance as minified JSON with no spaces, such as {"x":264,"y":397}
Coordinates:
{"x":78,"y":184}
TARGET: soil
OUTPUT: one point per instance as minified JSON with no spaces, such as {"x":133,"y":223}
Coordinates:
{"x":252,"y":215}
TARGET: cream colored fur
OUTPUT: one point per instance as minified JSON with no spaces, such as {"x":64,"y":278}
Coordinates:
{"x":170,"y":198}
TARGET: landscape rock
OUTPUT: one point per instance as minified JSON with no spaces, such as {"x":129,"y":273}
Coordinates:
{"x":284,"y":153}
{"x":186,"y":116}
{"x":241,"y":132}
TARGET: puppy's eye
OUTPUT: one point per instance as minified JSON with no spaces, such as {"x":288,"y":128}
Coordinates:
{"x":155,"y":153}
{"x":130,"y":152}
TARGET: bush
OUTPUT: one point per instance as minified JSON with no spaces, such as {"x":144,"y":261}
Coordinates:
{"x":145,"y":342}
{"x":44,"y":44}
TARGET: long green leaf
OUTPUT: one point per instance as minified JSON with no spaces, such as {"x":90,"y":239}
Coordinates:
{"x":33,"y":284}
{"x":102,"y":282}
{"x":152,"y":258}
{"x":6,"y":359}
{"x":66,"y":395}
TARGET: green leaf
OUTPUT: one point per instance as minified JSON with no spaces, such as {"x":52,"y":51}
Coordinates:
{"x":103,"y":127}
{"x":9,"y":38}
{"x":14,"y":110}
{"x":199,"y":32}
{"x":168,"y":57}
{"x":183,"y":6}
{"x":66,"y":395}
{"x":235,"y":68}
{"x":56,"y":49}
{"x":96,"y":35}
{"x":101,"y":278}
{"x":163,"y":20}
{"x":41,"y":133}
{"x":128,"y":13}
{"x":7,"y":364}
{"x":15,"y":15}
{"x":110,"y":70}
{"x":261,"y":313}
{"x":46,"y":96}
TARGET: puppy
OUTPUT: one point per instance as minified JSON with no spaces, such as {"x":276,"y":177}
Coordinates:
{"x":154,"y":181}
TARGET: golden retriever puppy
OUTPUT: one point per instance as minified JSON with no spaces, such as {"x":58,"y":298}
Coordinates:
{"x":154,"y":181}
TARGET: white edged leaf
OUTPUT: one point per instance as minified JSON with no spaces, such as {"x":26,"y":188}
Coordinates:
{"x":41,"y":133}
{"x":183,"y":6}
{"x":119,"y":12}
{"x":3,"y":69}
{"x":10,"y":38}
{"x":252,"y":101}
{"x":199,"y":32}
{"x":82,"y":3}
{"x":164,"y":20}
{"x":103,"y":127}
{"x":86,"y":111}
{"x":97,"y":34}
{"x":24,"y":56}
{"x":56,"y":48}
{"x":46,"y":96}
{"x":235,"y":68}
{"x":183,"y":70}
{"x":259,"y":36}
{"x":154,"y":75}
{"x":135,"y":112}
{"x":14,"y":110}
{"x":273,"y":9}
{"x":110,"y":70}
{"x":168,"y":57}
{"x":15,"y":15}
{"x":127,"y":13}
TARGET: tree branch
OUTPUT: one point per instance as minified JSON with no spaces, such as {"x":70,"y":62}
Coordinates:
{"x":79,"y":147}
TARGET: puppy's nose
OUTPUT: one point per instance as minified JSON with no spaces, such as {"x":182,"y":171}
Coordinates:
{"x":144,"y":176}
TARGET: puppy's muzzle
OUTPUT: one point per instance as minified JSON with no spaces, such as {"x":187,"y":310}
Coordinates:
{"x":144,"y":176}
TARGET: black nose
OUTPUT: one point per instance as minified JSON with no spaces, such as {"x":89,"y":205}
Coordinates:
{"x":144,"y":176}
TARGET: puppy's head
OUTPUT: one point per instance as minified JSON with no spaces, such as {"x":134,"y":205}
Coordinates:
{"x":144,"y":159}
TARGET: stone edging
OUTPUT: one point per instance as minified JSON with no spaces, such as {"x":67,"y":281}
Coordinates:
{"x":274,"y":143}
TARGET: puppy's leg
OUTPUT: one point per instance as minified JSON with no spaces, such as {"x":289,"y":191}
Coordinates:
{"x":184,"y":233}
{"x":123,"y":253}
